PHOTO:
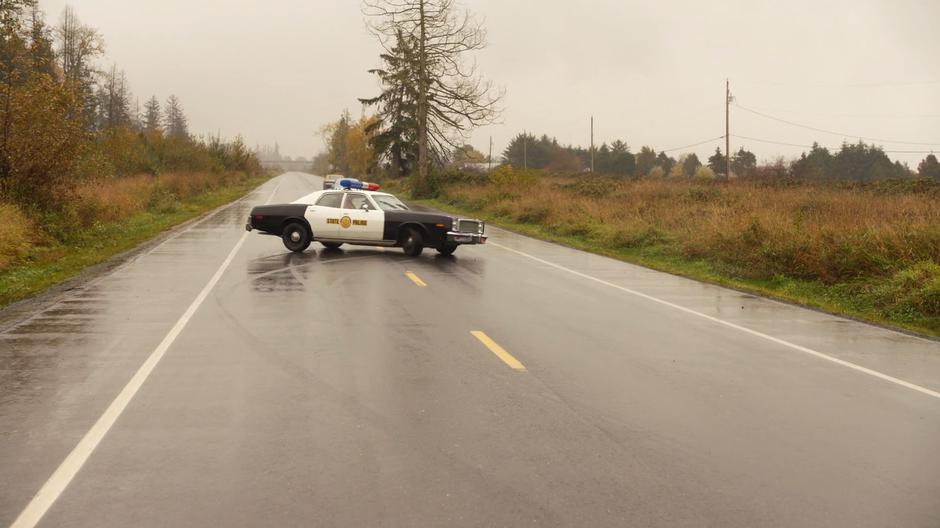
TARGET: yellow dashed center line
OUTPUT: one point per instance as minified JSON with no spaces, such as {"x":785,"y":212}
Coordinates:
{"x":415,"y":279}
{"x":500,"y":352}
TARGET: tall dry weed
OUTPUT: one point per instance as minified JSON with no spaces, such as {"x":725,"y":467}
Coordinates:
{"x":17,"y":234}
{"x":806,"y":231}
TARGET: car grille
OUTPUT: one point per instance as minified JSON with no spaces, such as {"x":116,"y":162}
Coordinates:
{"x":468,"y":226}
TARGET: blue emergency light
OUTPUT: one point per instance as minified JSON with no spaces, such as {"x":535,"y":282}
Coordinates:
{"x":352,"y":183}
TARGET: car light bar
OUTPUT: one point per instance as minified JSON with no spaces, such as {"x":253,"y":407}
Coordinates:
{"x":352,"y":183}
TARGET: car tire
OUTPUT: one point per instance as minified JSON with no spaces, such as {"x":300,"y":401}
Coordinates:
{"x":296,"y":237}
{"x":332,"y":245}
{"x":412,"y":242}
{"x":447,"y":249}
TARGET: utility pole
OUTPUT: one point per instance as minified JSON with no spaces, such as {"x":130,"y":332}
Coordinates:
{"x":592,"y":144}
{"x":525,"y":150}
{"x":489,"y":159}
{"x":727,"y":129}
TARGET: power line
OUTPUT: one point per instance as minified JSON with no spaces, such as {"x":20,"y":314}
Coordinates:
{"x":840,"y":85}
{"x":824,"y":131}
{"x":694,"y":144}
{"x":854,"y":116}
{"x":772,"y":142}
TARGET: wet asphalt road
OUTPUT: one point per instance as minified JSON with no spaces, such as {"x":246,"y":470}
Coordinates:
{"x":331,"y":389}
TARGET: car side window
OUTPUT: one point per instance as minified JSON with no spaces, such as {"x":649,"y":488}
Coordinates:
{"x":330,"y":200}
{"x":356,"y":201}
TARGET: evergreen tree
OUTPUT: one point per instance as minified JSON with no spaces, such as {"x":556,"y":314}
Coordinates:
{"x":602,"y":161}
{"x":40,"y":44}
{"x":394,"y":133}
{"x":177,"y":125}
{"x":622,"y":161}
{"x":526,"y":151}
{"x":929,"y":168}
{"x":743,"y":163}
{"x":861,"y":162}
{"x":690,"y":165}
{"x":817,"y":165}
{"x":153,"y":118}
{"x":666,"y":162}
{"x":645,"y":161}
{"x":718,"y":162}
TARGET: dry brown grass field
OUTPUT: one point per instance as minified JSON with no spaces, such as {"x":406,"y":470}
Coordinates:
{"x":115,"y":199}
{"x":875,"y":247}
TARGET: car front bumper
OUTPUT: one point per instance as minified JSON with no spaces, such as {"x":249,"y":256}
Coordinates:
{"x":465,"y":238}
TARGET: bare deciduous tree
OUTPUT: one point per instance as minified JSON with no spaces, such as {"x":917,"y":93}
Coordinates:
{"x":115,"y":101}
{"x":79,"y":45}
{"x":452,"y":97}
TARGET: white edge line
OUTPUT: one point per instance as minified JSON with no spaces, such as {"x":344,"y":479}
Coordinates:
{"x":63,"y":475}
{"x":842,"y":362}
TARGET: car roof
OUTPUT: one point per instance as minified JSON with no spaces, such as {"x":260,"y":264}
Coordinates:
{"x":314,"y":196}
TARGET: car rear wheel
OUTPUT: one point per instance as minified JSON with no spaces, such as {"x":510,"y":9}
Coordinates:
{"x":447,"y":249}
{"x":412,"y":242}
{"x":296,"y":237}
{"x":332,"y":245}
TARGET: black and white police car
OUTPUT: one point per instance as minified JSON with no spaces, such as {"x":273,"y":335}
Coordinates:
{"x":356,"y":213}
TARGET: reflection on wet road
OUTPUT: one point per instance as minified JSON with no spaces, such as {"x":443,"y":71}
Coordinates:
{"x":514,"y":384}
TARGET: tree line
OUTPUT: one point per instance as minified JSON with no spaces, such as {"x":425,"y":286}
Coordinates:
{"x":852,"y":162}
{"x":64,"y":119}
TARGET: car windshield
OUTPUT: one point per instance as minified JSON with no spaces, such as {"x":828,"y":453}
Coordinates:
{"x":389,"y":203}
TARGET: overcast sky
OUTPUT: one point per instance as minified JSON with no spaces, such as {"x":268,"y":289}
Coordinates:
{"x":652,"y":73}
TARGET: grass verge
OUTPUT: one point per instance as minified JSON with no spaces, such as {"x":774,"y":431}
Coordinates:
{"x":858,"y":299}
{"x":49,"y":264}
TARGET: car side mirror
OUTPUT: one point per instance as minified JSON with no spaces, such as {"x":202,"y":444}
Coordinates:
{"x":365,"y":207}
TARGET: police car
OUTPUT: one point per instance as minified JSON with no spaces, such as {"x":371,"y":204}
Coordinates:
{"x":357,"y":213}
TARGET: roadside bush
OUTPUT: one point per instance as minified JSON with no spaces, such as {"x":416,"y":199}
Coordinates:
{"x":507,"y":176}
{"x":592,"y":186}
{"x":704,"y":173}
{"x":17,"y":234}
{"x":633,"y":236}
{"x":915,"y":290}
{"x":41,"y":146}
{"x":532,"y":214}
{"x":112,"y":199}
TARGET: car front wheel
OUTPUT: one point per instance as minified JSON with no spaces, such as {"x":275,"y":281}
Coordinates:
{"x":412,"y":242}
{"x":296,"y":237}
{"x":447,"y":249}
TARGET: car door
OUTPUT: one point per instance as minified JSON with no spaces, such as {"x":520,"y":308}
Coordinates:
{"x":361,"y":219}
{"x":324,"y":216}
